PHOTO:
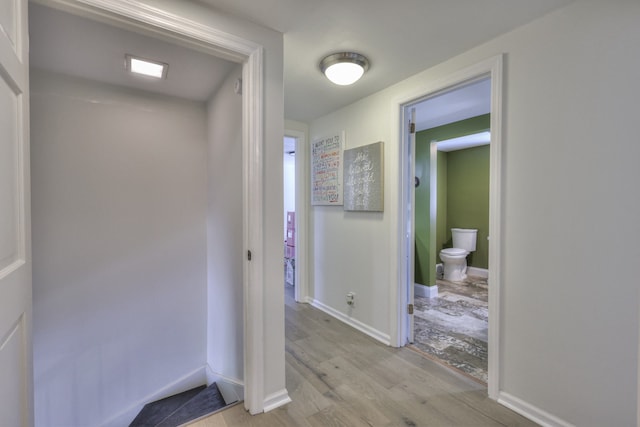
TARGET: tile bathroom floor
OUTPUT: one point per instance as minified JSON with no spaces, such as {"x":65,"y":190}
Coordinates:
{"x":452,"y":328}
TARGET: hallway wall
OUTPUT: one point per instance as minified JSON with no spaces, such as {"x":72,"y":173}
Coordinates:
{"x":119,"y":246}
{"x":569,"y":160}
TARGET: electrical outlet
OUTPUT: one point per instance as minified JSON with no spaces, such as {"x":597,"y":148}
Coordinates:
{"x":351,"y":298}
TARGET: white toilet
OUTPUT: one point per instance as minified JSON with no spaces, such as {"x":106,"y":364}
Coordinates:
{"x":454,"y":259}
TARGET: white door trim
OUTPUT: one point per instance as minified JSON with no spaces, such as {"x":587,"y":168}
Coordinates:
{"x":492,"y":68}
{"x":250,"y":54}
{"x":495,"y":228}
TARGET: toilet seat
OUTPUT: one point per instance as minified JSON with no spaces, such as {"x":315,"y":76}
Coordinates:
{"x":453,"y":252}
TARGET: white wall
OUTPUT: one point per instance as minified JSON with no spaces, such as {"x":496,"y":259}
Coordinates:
{"x":119,"y":246}
{"x":225,"y":348}
{"x":569,"y":315}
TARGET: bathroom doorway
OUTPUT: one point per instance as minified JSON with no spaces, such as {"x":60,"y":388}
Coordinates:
{"x":469,"y":103}
{"x":451,"y":304}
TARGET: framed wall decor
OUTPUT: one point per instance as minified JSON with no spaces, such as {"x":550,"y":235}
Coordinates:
{"x":363,"y":178}
{"x":326,"y":170}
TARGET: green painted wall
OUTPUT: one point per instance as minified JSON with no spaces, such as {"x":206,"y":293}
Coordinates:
{"x":441,"y":207}
{"x":426,"y":249}
{"x":468,"y":198}
{"x":422,"y":260}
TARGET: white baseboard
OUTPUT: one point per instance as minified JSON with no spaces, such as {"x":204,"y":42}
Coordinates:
{"x":186,"y":382}
{"x":531,"y":412}
{"x":276,"y":400}
{"x":425,"y":291}
{"x":480,"y":272}
{"x":354,"y":323}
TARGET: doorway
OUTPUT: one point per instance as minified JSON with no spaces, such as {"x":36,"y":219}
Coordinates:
{"x":450,"y":304}
{"x":289,"y":223}
{"x":296,"y":198}
{"x":248,"y":57}
{"x":488,"y":71}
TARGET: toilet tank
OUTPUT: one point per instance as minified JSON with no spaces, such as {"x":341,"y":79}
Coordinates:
{"x":464,"y":238}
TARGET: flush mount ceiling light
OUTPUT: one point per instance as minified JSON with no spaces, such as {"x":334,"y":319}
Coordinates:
{"x":344,"y":68}
{"x":146,"y":67}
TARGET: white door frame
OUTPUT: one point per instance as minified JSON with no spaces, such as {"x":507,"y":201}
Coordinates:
{"x":250,"y":54}
{"x":492,"y":68}
{"x":409,"y":226}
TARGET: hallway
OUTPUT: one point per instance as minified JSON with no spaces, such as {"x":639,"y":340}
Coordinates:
{"x":337,"y":376}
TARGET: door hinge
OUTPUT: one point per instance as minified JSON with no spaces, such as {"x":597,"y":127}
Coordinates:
{"x":248,"y":255}
{"x":412,"y":127}
{"x":410,"y":308}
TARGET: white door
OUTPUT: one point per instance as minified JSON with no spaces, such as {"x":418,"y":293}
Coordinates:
{"x":16,"y":407}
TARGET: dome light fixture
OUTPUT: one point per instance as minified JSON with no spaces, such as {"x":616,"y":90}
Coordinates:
{"x":344,"y":68}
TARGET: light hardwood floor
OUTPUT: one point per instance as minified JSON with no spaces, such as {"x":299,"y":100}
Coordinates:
{"x":337,"y":376}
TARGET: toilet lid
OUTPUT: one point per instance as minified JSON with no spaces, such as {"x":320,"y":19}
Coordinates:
{"x":453,"y":251}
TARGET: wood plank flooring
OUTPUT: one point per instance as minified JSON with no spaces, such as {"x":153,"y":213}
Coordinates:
{"x":337,"y":376}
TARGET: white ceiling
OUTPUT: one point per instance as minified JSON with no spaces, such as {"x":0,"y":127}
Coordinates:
{"x":458,"y":104}
{"x":400,"y":37}
{"x":77,"y":46}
